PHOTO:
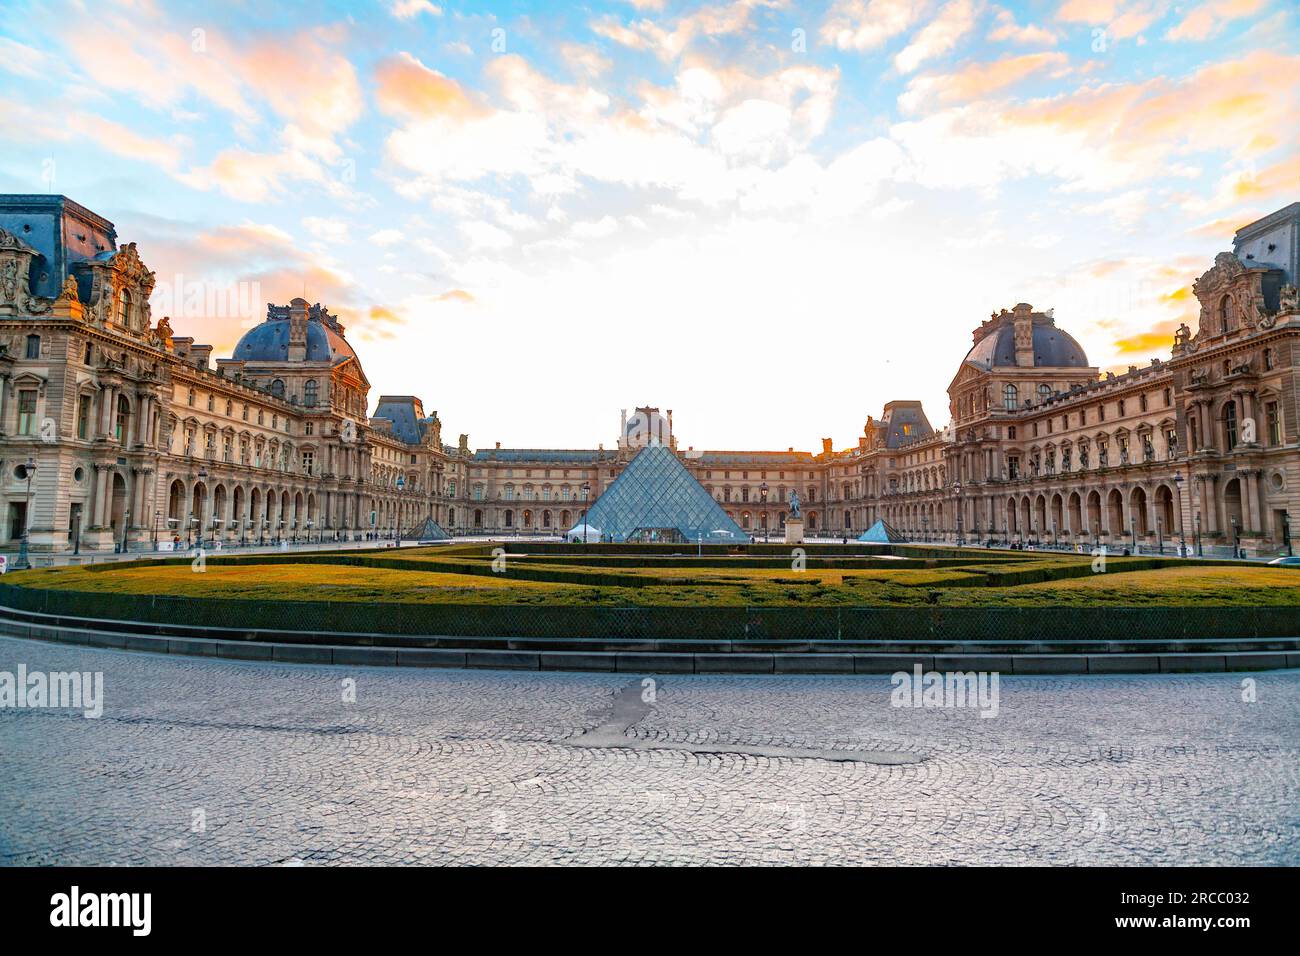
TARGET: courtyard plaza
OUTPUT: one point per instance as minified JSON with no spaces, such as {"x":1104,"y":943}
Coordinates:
{"x":198,"y":761}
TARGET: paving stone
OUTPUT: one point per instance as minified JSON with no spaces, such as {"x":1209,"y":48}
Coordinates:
{"x":293,"y":763}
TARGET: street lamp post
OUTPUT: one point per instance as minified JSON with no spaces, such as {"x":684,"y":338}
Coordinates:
{"x":397,"y":531}
{"x":1200,"y":551}
{"x":126,"y":523}
{"x":1286,"y":534}
{"x":586,"y":492}
{"x":1133,"y":530}
{"x":203,"y":477}
{"x":762,"y":497}
{"x":1236,"y":538}
{"x":960,"y":540}
{"x":23,"y":562}
{"x":156,"y":516}
{"x":1160,"y":535}
{"x":1182,"y":528}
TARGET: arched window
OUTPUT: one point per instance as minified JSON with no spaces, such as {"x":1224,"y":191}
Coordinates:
{"x":1225,"y":314}
{"x":1044,"y":392}
{"x":277,"y":388}
{"x":1010,"y":398}
{"x":124,"y":308}
{"x":309,"y":393}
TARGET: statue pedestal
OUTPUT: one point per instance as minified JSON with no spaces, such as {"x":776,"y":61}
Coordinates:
{"x":794,"y":530}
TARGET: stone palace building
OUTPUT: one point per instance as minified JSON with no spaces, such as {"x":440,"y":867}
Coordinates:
{"x":115,"y":432}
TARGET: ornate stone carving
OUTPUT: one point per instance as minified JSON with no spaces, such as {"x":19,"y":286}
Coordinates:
{"x":15,"y":269}
{"x":1243,"y":288}
{"x":1289,"y":301}
{"x":162,"y":335}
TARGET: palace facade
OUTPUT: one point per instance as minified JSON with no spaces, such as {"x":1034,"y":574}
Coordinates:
{"x":115,"y":432}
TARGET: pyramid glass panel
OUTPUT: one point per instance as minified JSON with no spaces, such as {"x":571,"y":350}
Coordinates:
{"x":657,"y":499}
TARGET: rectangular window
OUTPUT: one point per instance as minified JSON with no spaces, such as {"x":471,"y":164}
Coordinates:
{"x":83,"y":416}
{"x":308,"y":459}
{"x":27,"y":412}
{"x":1274,"y":423}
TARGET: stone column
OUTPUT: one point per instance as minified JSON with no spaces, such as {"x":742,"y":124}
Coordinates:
{"x":101,"y":494}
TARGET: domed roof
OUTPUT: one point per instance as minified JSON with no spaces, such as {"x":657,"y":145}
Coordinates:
{"x":269,"y":341}
{"x":1053,"y":348}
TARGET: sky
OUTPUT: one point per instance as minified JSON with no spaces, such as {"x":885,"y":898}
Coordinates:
{"x":769,"y":216}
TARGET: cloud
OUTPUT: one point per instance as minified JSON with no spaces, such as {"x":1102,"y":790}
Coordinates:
{"x":1007,"y":30}
{"x":1211,"y":17}
{"x":668,"y":43}
{"x":1125,"y":209}
{"x":105,"y":134}
{"x":1159,"y":339}
{"x":484,"y":235}
{"x":386,"y":237}
{"x":410,"y":9}
{"x":868,"y":24}
{"x":1111,"y":135}
{"x":939,"y":36}
{"x":23,"y":60}
{"x":255,"y":177}
{"x":1122,"y":19}
{"x":976,"y":81}
{"x":299,"y":81}
{"x":405,"y":87}
{"x":326,"y":229}
{"x":584,"y":60}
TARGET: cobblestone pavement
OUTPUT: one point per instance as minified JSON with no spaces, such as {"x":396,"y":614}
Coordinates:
{"x":207,"y":762}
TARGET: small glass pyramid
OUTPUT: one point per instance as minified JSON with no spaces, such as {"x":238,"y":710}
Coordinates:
{"x":881,"y":533}
{"x":657,"y":499}
{"x":427,"y":530}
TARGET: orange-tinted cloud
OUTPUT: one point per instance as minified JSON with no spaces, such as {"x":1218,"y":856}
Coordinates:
{"x":1211,"y":17}
{"x":1159,"y":339}
{"x":977,"y":80}
{"x":406,"y":87}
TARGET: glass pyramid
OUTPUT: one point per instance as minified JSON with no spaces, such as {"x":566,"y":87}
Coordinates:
{"x":657,"y":499}
{"x":426,"y":530}
{"x":881,"y":533}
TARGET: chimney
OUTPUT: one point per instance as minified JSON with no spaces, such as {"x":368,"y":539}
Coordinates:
{"x":297,"y":330}
{"x":1023,"y":319}
{"x":826,"y":446}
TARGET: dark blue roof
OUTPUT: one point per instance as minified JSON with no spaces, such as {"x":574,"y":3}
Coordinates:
{"x":1052,"y":349}
{"x":269,"y":342}
{"x":540,"y":454}
{"x":751,"y":457}
{"x":407,"y":426}
{"x":905,"y":422}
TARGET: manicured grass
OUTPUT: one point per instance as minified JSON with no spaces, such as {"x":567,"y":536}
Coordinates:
{"x":463,"y":576}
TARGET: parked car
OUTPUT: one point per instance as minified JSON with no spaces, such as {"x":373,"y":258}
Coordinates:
{"x":1293,"y":561}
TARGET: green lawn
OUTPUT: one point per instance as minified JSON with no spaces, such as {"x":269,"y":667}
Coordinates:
{"x":464,"y":576}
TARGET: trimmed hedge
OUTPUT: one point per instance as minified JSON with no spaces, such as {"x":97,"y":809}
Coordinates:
{"x":317,"y":619}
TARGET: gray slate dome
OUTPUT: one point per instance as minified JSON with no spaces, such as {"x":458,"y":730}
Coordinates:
{"x":269,"y":342}
{"x":1053,"y":348}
